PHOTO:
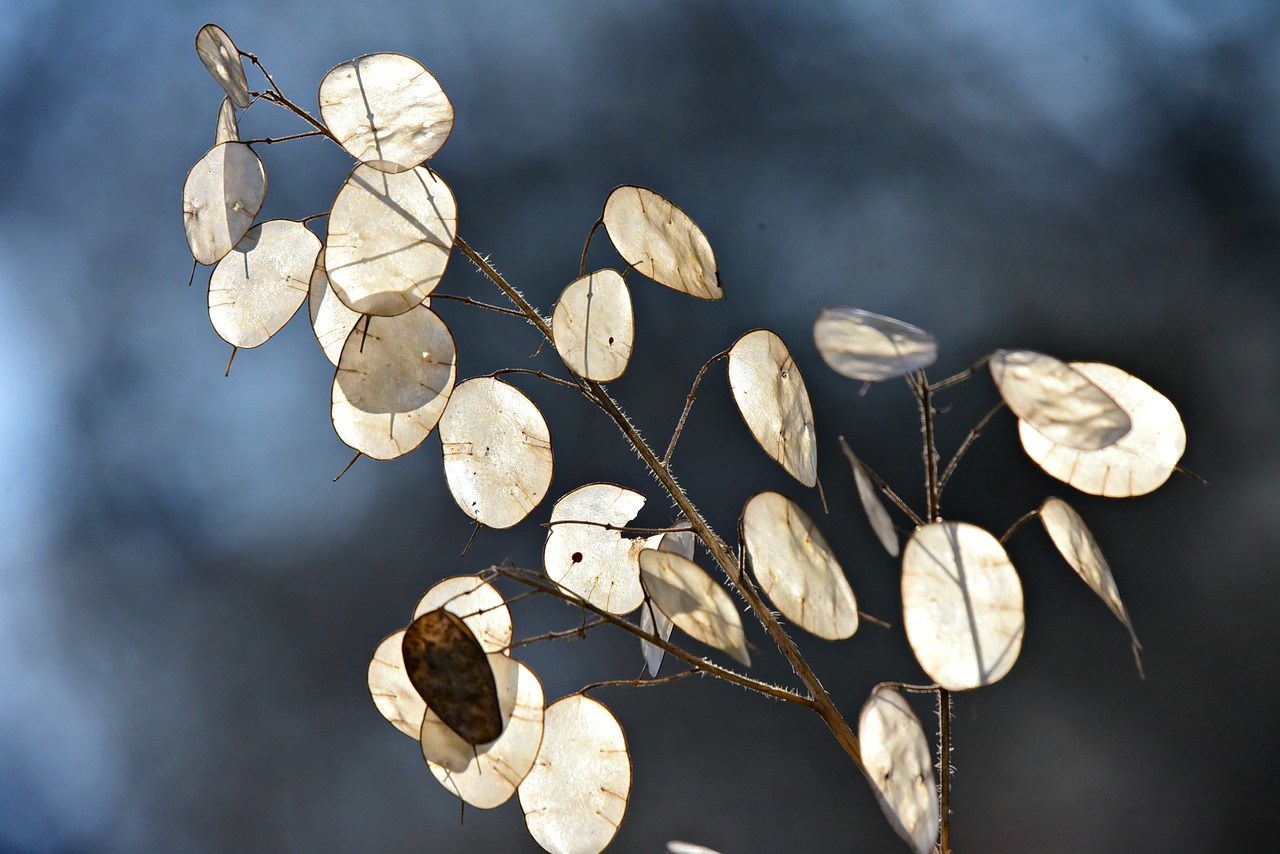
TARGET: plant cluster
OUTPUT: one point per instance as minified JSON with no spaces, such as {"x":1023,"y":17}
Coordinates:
{"x":449,"y":679}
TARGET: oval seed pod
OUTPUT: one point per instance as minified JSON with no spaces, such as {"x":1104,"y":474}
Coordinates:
{"x":1057,"y":400}
{"x":331,"y":321}
{"x":899,"y":766}
{"x":487,"y":775}
{"x":694,"y":601}
{"x":871,"y":347}
{"x":392,"y":384}
{"x":651,"y":619}
{"x":796,"y":568}
{"x":451,"y":672}
{"x":881,"y":524}
{"x":593,"y":327}
{"x":497,"y":451}
{"x":228,"y":129}
{"x":771,"y":396}
{"x":478,"y":603}
{"x":1138,"y":462}
{"x":221,"y":56}
{"x":589,"y":560}
{"x":390,"y":237}
{"x":661,"y":242}
{"x":223,"y":193}
{"x":576,"y":795}
{"x":962,"y":605}
{"x":262,"y":282}
{"x":386,"y":110}
{"x":389,"y":686}
{"x":1073,"y":540}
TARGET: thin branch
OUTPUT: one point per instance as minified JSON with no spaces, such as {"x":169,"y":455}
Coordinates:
{"x":688,"y":404}
{"x":875,"y":621}
{"x":532,"y":580}
{"x":944,"y":768}
{"x":582,"y":267}
{"x":924,"y":396}
{"x":1023,"y":519}
{"x":821,"y":701}
{"x":542,"y":375}
{"x":270,"y":140}
{"x":642,"y":683}
{"x":956,"y":379}
{"x":576,"y":631}
{"x":276,"y":96}
{"x":626,"y":529}
{"x":880,"y":484}
{"x":478,"y":304}
{"x":964,"y":446}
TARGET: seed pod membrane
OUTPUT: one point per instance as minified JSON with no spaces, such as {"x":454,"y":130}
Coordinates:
{"x":449,"y":669}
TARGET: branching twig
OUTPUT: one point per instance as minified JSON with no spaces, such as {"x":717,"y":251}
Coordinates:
{"x":688,"y":404}
{"x":880,"y":484}
{"x":821,"y":700}
{"x":1023,"y":519}
{"x":964,"y":446}
{"x":535,"y":581}
{"x":956,"y":379}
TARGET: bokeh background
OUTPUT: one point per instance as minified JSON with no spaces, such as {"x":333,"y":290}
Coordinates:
{"x":187,"y":603}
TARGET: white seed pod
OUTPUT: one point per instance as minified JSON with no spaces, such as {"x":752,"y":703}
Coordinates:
{"x":771,"y":396}
{"x":261,"y":283}
{"x":694,"y":602}
{"x":392,"y":384}
{"x":228,"y":129}
{"x":962,"y":605}
{"x":899,"y":766}
{"x":389,"y":686}
{"x":1137,"y":463}
{"x":1057,"y":400}
{"x":651,"y":619}
{"x":796,"y":569}
{"x":223,"y":193}
{"x":881,"y":524}
{"x":1073,"y":540}
{"x":575,"y":796}
{"x":487,"y":775}
{"x":661,"y":241}
{"x":677,"y":847}
{"x":386,"y":110}
{"x":593,"y":327}
{"x":497,"y":451}
{"x":221,"y":56}
{"x":871,"y":347}
{"x":331,"y":321}
{"x":478,"y":603}
{"x":389,"y":240}
{"x":589,"y":560}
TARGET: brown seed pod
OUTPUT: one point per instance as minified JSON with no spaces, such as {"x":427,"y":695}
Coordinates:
{"x":448,"y":667}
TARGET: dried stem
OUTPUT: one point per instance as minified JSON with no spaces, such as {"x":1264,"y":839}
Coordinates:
{"x":688,"y":404}
{"x":880,"y":484}
{"x":964,"y":446}
{"x":821,"y":700}
{"x":535,"y":581}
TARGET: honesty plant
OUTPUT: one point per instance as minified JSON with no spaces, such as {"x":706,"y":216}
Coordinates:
{"x":449,"y":679}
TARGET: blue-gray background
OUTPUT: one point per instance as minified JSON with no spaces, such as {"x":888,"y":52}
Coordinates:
{"x":187,"y":604}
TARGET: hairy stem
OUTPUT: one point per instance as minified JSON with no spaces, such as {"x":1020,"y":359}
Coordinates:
{"x":822,"y":702}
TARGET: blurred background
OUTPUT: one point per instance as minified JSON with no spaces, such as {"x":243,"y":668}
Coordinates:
{"x":188,"y":604}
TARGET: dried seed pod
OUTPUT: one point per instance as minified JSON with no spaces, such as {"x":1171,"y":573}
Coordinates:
{"x":962,"y":605}
{"x":871,"y":347}
{"x":661,"y":241}
{"x":1057,"y":400}
{"x":386,"y":110}
{"x":900,"y":767}
{"x":1138,"y":462}
{"x":771,"y":396}
{"x":451,"y":672}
